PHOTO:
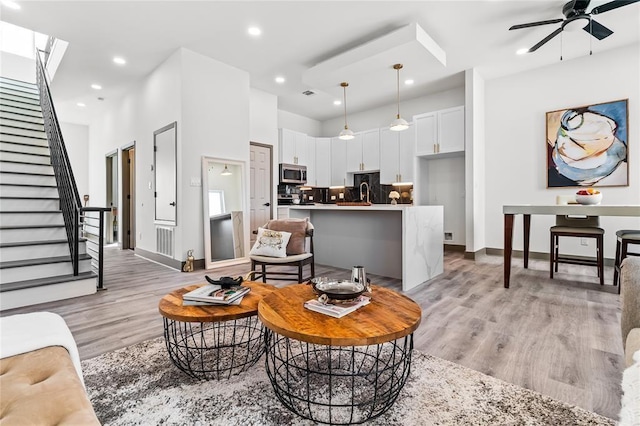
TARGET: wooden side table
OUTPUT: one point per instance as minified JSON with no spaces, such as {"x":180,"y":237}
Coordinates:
{"x":214,"y":342}
{"x":338,"y":370}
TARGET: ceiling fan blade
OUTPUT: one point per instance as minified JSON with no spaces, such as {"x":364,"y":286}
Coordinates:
{"x":611,"y":5}
{"x":535,"y":24}
{"x":597,"y":30}
{"x":546,"y":39}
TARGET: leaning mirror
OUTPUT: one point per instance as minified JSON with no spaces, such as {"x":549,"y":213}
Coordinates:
{"x":223,"y":202}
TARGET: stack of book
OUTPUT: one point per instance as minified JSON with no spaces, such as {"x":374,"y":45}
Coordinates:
{"x":336,"y":309}
{"x":211,"y":294}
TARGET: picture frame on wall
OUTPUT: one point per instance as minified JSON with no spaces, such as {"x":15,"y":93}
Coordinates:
{"x":588,"y":145}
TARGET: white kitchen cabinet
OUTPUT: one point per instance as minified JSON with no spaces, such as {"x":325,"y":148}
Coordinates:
{"x":338,"y":162}
{"x":397,"y":155}
{"x":311,"y":160}
{"x":323,"y":162}
{"x":363,"y":152}
{"x":440,"y":132}
{"x":293,"y":147}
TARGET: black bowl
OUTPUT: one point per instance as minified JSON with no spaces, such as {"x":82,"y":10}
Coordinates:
{"x":338,"y":290}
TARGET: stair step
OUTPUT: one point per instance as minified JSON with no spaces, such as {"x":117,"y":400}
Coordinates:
{"x":27,"y":179}
{"x":19,"y":131}
{"x":35,"y":250}
{"x":22,"y":112}
{"x":16,"y":116}
{"x":19,"y":166}
{"x":20,"y":83}
{"x":22,"y":204}
{"x":21,"y":124}
{"x":21,"y":93}
{"x":24,"y":148}
{"x":21,"y":157}
{"x":32,"y":218}
{"x":31,"y":269}
{"x":15,"y":234}
{"x":19,"y":99}
{"x":24,"y":140}
{"x":26,"y":293}
{"x":10,"y":190}
{"x":7,"y":85}
{"x":21,"y":105}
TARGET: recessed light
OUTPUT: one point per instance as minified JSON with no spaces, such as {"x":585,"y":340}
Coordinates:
{"x":280,"y":80}
{"x":408,"y":82}
{"x":80,"y":104}
{"x":96,"y":86}
{"x":522,"y":51}
{"x":11,"y":4}
{"x":118,"y":60}
{"x":254,"y":31}
{"x":338,"y":102}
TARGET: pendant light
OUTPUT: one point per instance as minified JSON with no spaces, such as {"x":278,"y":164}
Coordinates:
{"x":346,"y":134}
{"x":399,"y":123}
{"x":226,"y":171}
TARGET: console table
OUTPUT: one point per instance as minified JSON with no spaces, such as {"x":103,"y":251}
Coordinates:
{"x":526,"y":210}
{"x":338,"y":370}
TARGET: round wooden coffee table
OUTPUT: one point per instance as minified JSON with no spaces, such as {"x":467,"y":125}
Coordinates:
{"x":338,"y":370}
{"x":214,"y":342}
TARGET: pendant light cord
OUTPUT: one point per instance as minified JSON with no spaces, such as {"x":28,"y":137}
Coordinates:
{"x":398,"y":90}
{"x":344,"y":89}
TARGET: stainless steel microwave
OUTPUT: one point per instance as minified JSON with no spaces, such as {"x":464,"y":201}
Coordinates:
{"x":293,"y":173}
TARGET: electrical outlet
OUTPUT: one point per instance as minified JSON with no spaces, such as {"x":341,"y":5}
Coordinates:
{"x":333,"y":197}
{"x":584,"y":242}
{"x":341,"y":195}
{"x":310,"y":197}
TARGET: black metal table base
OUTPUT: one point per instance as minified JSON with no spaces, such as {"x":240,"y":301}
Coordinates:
{"x":214,"y":350}
{"x":337,"y":384}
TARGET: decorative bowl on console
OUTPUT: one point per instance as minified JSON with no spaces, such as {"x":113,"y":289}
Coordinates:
{"x":588,"y":196}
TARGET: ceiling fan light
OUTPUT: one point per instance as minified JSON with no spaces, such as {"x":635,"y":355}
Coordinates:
{"x":399,"y":124}
{"x":346,"y":134}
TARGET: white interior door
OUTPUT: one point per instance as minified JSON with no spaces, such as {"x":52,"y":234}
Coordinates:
{"x":164,"y":144}
{"x":260,"y":187}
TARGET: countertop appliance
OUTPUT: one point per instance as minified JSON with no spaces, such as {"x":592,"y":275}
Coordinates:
{"x":293,"y":173}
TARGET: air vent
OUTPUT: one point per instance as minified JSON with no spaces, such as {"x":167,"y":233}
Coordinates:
{"x":308,"y":93}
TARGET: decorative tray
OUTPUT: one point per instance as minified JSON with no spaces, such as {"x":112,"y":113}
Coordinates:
{"x":337,"y":289}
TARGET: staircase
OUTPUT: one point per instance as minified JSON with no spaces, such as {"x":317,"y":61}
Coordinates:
{"x":35,"y":259}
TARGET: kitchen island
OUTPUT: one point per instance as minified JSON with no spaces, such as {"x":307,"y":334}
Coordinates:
{"x":403,"y":242}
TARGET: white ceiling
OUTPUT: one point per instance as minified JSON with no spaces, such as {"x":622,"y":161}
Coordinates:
{"x":296,"y":36}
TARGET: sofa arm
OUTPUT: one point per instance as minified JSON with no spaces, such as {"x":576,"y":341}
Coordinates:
{"x":630,"y":296}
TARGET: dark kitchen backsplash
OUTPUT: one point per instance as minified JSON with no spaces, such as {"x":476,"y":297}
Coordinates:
{"x":379,"y":193}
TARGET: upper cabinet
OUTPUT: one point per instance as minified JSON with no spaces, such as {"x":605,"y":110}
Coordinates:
{"x":440,"y":132}
{"x":363,"y":152}
{"x":293,"y":147}
{"x":311,"y":160}
{"x":323,"y":162}
{"x":338,"y":162}
{"x":397,"y":154}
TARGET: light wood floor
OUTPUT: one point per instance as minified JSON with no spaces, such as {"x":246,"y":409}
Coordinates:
{"x":559,"y":337}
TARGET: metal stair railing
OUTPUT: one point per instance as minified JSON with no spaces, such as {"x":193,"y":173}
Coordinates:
{"x":72,"y":210}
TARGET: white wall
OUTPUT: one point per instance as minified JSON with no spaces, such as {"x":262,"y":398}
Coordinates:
{"x":215,"y":123}
{"x":76,"y":140}
{"x":263,"y":117}
{"x":149,"y":106}
{"x":382,"y":116}
{"x":515,"y":140}
{"x":299,"y":123}
{"x":17,"y":67}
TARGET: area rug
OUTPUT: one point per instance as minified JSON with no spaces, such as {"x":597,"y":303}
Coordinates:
{"x":139,"y":385}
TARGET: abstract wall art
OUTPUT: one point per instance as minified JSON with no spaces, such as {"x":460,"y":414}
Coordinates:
{"x":587,"y":146}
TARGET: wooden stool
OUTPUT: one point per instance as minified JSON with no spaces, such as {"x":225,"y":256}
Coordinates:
{"x":580,"y":227}
{"x":624,"y":238}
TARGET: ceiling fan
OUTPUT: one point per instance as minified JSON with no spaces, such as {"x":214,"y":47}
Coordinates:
{"x":575,"y":12}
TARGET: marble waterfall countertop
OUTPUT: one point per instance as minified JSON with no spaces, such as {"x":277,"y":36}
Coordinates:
{"x":401,"y":241}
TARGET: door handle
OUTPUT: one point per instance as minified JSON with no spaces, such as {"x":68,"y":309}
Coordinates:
{"x":173,"y":204}
{"x":266,"y":204}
